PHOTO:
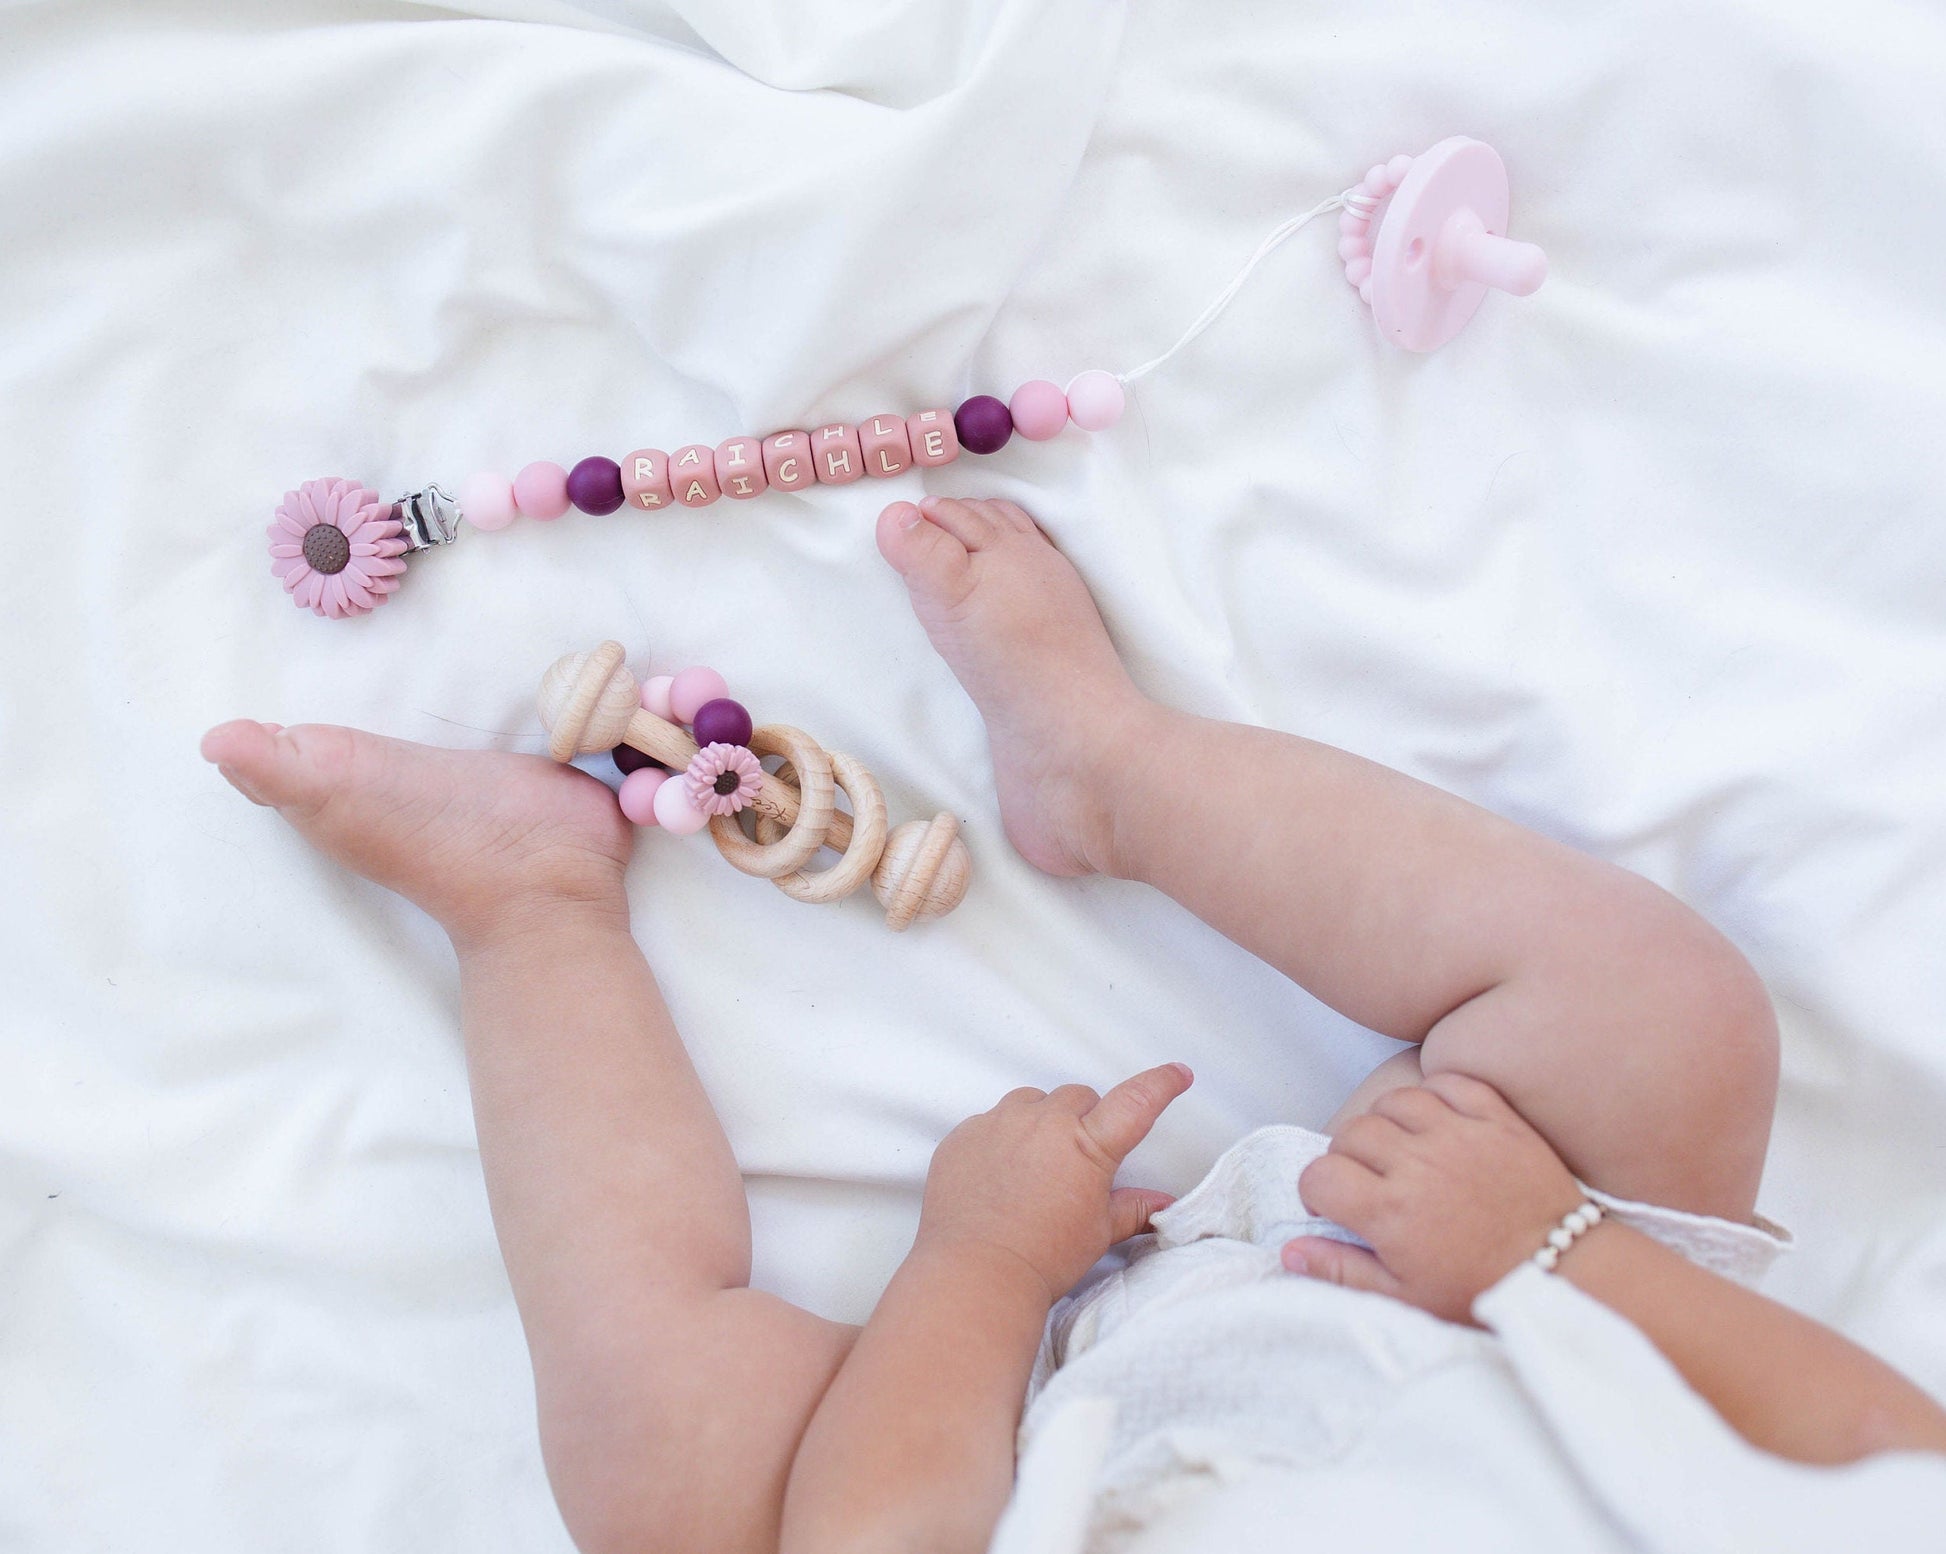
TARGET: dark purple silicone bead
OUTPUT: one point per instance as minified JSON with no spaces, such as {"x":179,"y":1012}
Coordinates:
{"x":595,"y":485}
{"x":984,"y":424}
{"x":628,"y":759}
{"x":721,"y":722}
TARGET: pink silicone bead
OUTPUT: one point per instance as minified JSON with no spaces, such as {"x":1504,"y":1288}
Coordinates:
{"x":1039,"y":410}
{"x":886,"y":447}
{"x":692,"y":475}
{"x":836,"y":454}
{"x":935,"y":440}
{"x":740,"y":468}
{"x":655,"y":696}
{"x":486,"y":501}
{"x":674,"y":812}
{"x":541,"y":491}
{"x":690,"y":689}
{"x":638,"y":794}
{"x":645,"y":479}
{"x":787,"y":460}
{"x":1096,"y":400}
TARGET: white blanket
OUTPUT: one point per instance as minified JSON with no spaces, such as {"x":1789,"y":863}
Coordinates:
{"x":1652,"y":561}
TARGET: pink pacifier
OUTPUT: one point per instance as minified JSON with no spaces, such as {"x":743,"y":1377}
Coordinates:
{"x":1442,"y":242}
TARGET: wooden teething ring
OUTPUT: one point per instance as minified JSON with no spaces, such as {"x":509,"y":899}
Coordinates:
{"x":784,"y":852}
{"x":861,"y":857}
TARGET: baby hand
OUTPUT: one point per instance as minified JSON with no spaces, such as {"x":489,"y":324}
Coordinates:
{"x":1450,"y":1186}
{"x":1035,"y":1176}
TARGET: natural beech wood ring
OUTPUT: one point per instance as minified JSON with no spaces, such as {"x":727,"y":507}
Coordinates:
{"x":868,"y":827}
{"x":817,"y":804}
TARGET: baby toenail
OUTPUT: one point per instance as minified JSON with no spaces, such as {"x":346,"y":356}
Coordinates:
{"x":909,"y":515}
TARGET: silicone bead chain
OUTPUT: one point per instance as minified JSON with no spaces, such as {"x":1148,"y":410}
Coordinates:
{"x":697,"y":475}
{"x":339,"y":550}
{"x":1575,"y":1224}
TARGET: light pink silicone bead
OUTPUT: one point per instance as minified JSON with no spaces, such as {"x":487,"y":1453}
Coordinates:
{"x":787,"y":461}
{"x":486,"y":501}
{"x":655,"y":695}
{"x":674,"y":812}
{"x":645,"y":479}
{"x":935,"y":440}
{"x":638,"y":794}
{"x":1096,"y":400}
{"x":1039,"y":410}
{"x":740,"y":468}
{"x":690,"y":689}
{"x":887,"y":449}
{"x":836,"y":454}
{"x":692,"y":475}
{"x":541,"y":491}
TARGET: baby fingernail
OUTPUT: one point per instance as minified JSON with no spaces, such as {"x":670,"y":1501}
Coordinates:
{"x":907,"y":514}
{"x":1188,"y":1074}
{"x":1294,"y":1261}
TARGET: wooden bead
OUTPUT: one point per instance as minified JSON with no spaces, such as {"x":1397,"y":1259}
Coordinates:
{"x":692,"y":475}
{"x":934,"y":440}
{"x":587,"y":700}
{"x":645,"y":479}
{"x":923,"y":872}
{"x":787,"y":461}
{"x":835,"y":453}
{"x":886,"y":447}
{"x":740,"y":468}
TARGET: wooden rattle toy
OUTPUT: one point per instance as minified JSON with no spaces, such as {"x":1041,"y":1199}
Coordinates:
{"x":688,"y":781}
{"x":1422,"y":238}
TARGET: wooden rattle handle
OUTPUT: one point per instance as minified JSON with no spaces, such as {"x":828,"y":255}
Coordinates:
{"x":590,"y":702}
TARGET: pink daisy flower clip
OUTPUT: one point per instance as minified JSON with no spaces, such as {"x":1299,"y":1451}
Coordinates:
{"x":335,"y":547}
{"x":722,"y":779}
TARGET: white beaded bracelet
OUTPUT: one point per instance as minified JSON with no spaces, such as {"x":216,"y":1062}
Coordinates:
{"x":1575,"y":1224}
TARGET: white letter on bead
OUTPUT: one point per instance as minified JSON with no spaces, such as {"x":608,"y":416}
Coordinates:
{"x":693,"y":456}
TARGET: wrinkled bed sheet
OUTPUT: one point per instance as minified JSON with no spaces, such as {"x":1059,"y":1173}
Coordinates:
{"x":1653,"y":561}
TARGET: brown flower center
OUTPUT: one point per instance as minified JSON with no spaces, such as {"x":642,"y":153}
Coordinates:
{"x":728,"y":782}
{"x":326,"y":549}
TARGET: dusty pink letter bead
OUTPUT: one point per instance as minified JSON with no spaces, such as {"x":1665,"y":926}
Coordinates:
{"x":1039,"y":410}
{"x":541,"y":491}
{"x":674,"y":812}
{"x":740,"y":468}
{"x":836,"y":455}
{"x":486,"y":501}
{"x":1095,"y":400}
{"x":934,"y":439}
{"x":887,"y":449}
{"x":690,"y":689}
{"x":692,"y":475}
{"x":655,"y":696}
{"x":645,"y":478}
{"x":638,"y":794}
{"x":787,"y":460}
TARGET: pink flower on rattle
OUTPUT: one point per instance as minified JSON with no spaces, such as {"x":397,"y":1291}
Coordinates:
{"x":335,"y":547}
{"x":723,"y":778}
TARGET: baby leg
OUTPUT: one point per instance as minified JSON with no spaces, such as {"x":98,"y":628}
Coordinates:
{"x":671,"y":1397}
{"x":1617,"y":1021}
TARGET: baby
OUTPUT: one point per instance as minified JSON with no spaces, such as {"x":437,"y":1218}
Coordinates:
{"x":1572,"y":1024}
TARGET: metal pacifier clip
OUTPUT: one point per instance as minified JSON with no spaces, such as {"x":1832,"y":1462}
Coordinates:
{"x":1423,"y":239}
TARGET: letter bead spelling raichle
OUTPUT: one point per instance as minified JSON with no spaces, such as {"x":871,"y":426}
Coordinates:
{"x":1575,"y":1224}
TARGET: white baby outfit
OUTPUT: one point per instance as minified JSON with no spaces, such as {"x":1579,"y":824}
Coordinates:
{"x":1198,"y":1397}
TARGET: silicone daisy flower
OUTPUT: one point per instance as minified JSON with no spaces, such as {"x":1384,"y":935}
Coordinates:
{"x":721,"y":779}
{"x":335,"y":547}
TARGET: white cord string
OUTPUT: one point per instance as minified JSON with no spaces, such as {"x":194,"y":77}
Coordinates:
{"x":1352,"y":199}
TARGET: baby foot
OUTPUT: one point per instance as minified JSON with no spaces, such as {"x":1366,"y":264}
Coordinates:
{"x":476,"y":838}
{"x":1017,"y":626}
